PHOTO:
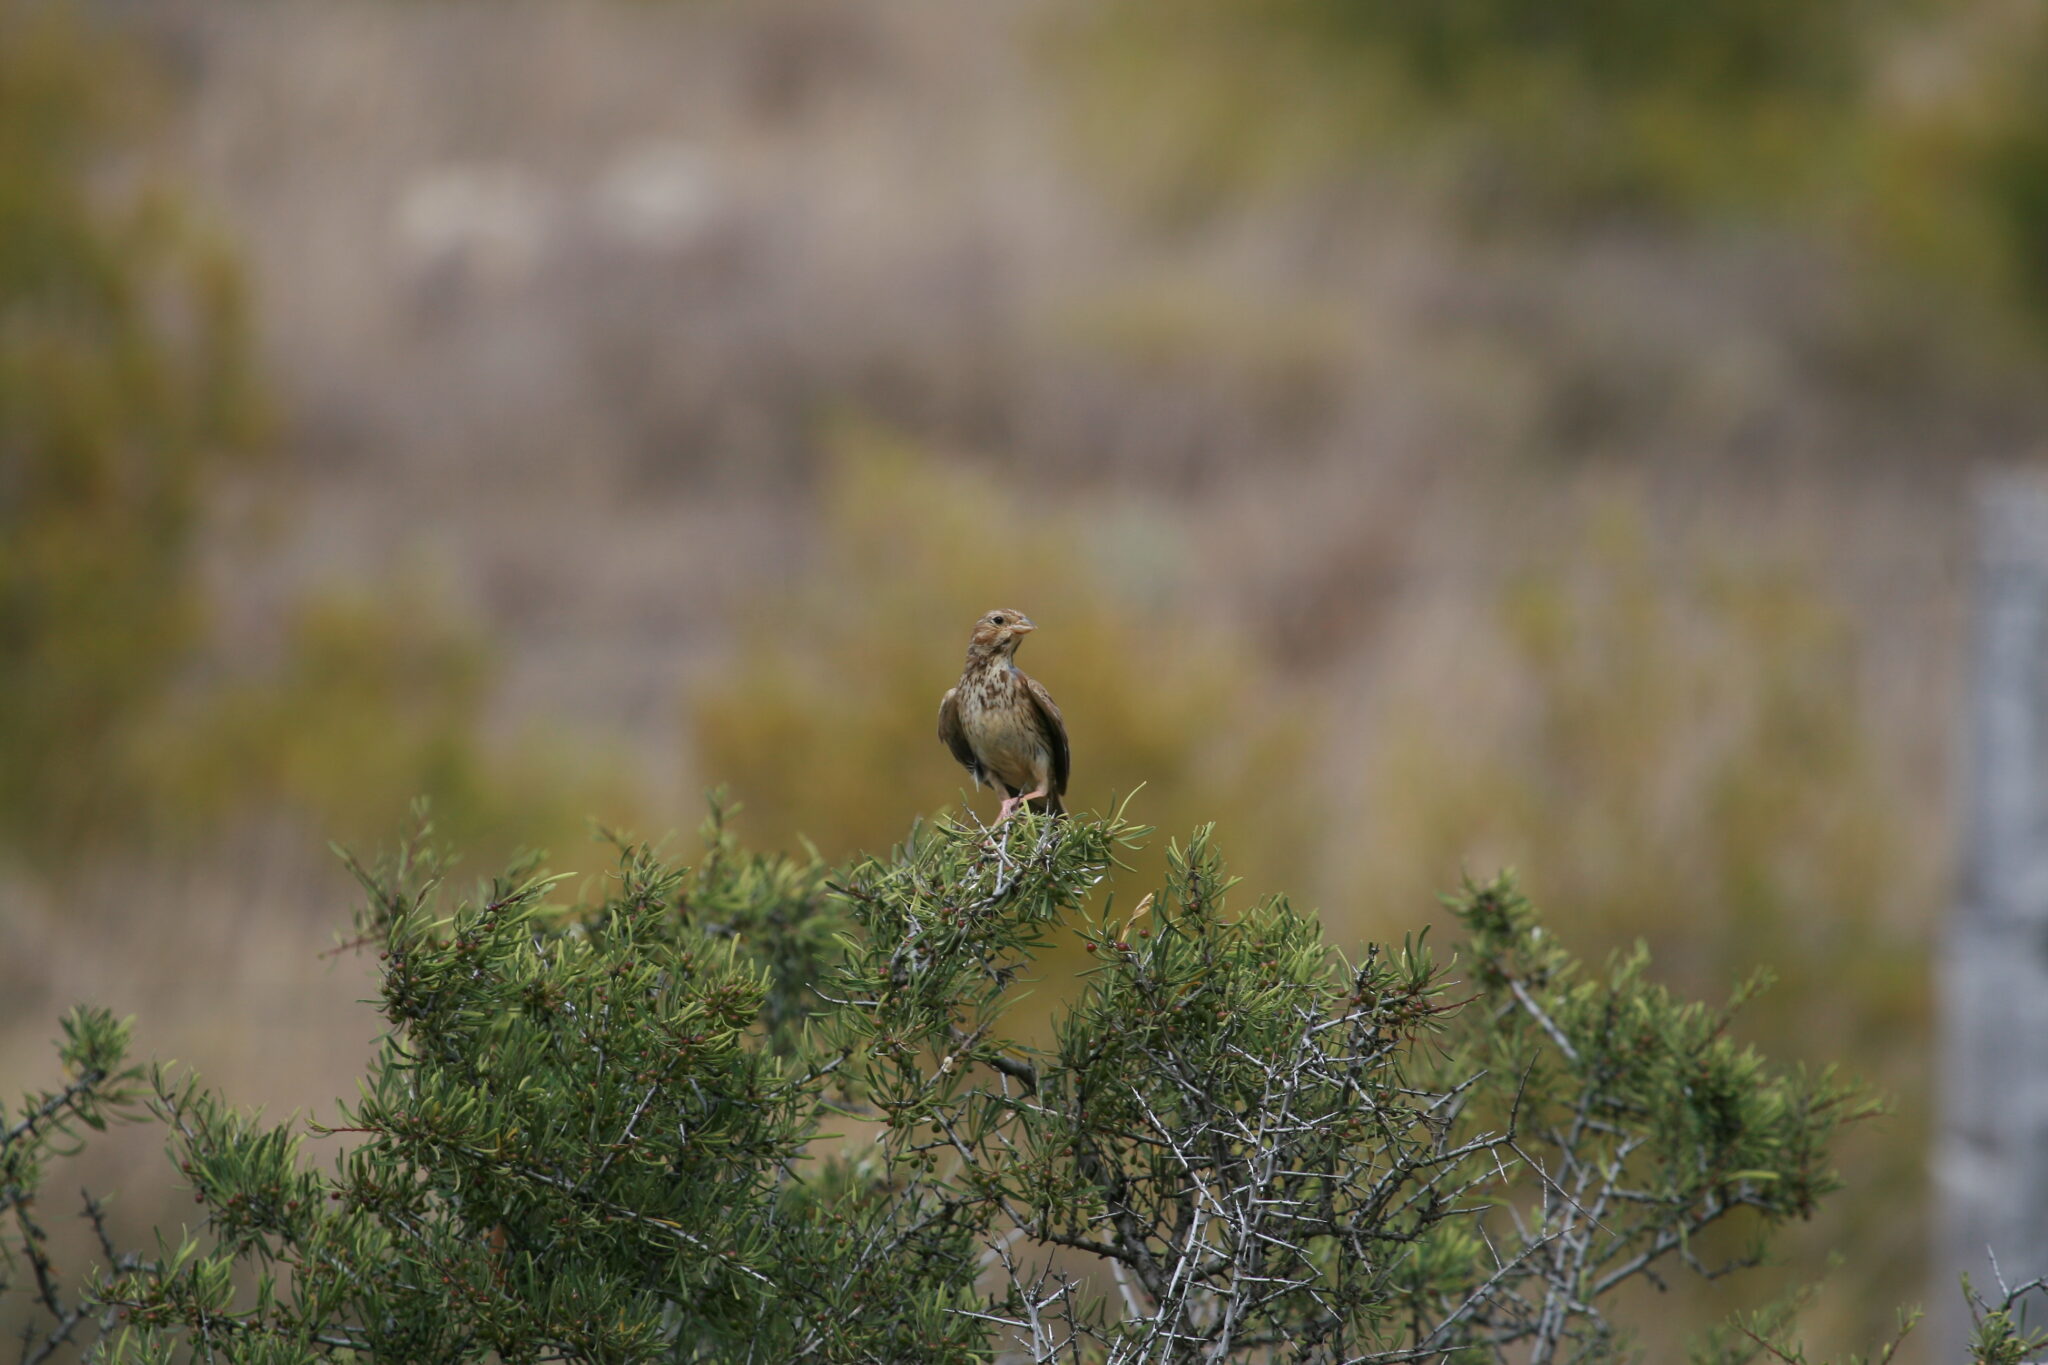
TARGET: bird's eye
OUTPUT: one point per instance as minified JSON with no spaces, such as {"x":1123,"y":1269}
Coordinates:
{"x":996,"y":621}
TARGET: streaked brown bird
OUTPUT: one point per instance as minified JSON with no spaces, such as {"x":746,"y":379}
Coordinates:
{"x":1001,"y":724}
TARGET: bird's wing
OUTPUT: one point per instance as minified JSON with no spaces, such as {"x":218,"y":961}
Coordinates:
{"x":954,"y":735}
{"x":1054,"y":730}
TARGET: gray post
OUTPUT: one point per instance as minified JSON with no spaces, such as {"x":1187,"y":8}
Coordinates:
{"x":1992,"y":1159}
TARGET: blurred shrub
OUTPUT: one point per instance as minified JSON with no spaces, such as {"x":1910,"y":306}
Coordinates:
{"x":2012,"y":166}
{"x":1899,"y":131}
{"x":825,"y":722}
{"x":1686,"y":758}
{"x":371,"y":705}
{"x":127,"y":391}
{"x":1530,"y":109}
{"x":1617,"y":101}
{"x":125,"y":386}
{"x":1725,"y":49}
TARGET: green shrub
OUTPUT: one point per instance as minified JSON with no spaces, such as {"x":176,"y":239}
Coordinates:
{"x":762,"y":1109}
{"x":1682,"y":753}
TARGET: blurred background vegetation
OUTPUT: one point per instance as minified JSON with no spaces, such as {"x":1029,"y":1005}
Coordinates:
{"x":1429,"y":437}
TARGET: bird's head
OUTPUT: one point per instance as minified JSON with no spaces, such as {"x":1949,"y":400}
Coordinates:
{"x":1000,"y":632}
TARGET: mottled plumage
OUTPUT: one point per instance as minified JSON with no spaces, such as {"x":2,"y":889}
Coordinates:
{"x":1003,"y":726}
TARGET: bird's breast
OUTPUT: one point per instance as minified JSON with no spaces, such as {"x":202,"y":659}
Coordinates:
{"x":1001,"y":724}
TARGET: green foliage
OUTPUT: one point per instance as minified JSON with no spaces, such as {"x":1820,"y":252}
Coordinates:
{"x":762,"y":1109}
{"x":1999,"y":1332}
{"x":100,"y":1087}
{"x":125,"y":386}
{"x":1635,"y":692}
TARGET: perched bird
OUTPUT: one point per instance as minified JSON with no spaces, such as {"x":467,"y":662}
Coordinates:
{"x":1001,"y":724}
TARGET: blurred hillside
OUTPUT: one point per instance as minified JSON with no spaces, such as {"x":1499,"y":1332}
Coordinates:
{"x":1426,"y":443}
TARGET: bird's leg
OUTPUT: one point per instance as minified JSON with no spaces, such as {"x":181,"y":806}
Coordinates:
{"x":1009,"y":808}
{"x":1029,"y":797}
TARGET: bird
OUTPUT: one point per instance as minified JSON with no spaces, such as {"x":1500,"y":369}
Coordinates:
{"x":1001,"y":723}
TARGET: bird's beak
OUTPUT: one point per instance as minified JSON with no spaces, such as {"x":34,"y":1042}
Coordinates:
{"x":1023,"y":626}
